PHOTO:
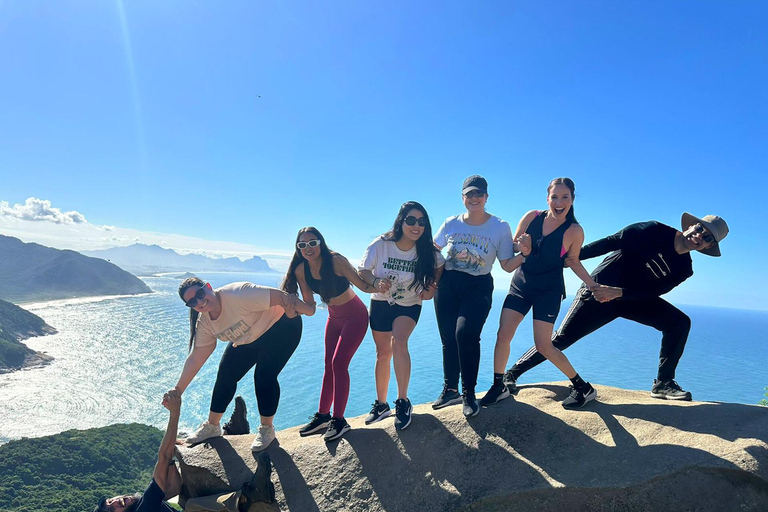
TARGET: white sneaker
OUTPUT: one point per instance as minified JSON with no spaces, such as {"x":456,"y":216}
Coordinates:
{"x":204,"y":431}
{"x":263,"y":438}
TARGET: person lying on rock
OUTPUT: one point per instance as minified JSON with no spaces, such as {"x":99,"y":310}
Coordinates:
{"x":166,"y":480}
{"x":647,"y":260}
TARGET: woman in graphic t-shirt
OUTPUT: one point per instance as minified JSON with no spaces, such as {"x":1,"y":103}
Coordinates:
{"x":317,"y":269}
{"x":405,"y":268}
{"x":553,"y":234}
{"x":262,"y":328}
{"x":473,"y":241}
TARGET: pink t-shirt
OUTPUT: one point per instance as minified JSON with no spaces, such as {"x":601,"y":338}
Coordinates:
{"x":245,"y":316}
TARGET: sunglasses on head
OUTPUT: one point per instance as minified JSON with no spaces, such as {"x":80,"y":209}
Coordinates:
{"x":311,"y":243}
{"x":705,"y":235}
{"x":474,"y":193}
{"x":199,"y":295}
{"x":411,"y":220}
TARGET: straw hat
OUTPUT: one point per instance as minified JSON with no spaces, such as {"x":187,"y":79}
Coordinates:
{"x":713,"y":224}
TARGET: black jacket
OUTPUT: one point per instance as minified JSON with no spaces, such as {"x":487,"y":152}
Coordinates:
{"x":643,"y":263}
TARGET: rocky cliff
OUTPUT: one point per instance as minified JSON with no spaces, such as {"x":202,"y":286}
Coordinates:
{"x":625,"y":452}
{"x":17,"y":324}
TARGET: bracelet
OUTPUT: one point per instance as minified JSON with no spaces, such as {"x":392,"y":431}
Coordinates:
{"x":374,"y":281}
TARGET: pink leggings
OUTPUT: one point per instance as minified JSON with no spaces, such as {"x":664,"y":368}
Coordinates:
{"x":344,"y":333}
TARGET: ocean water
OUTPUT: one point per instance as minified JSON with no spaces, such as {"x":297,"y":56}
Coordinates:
{"x":116,"y":356}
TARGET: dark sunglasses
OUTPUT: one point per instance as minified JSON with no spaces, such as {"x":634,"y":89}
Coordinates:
{"x":311,"y":243}
{"x":199,"y":295}
{"x":474,"y":193}
{"x":411,"y":220}
{"x":705,"y":235}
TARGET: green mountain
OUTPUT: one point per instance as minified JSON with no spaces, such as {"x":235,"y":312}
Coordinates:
{"x":68,"y":472}
{"x":31,"y":272}
{"x":18,"y":324}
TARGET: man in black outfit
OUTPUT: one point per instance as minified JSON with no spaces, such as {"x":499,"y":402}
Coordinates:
{"x":647,"y":260}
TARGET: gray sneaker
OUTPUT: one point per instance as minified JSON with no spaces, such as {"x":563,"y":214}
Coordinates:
{"x":669,"y":390}
{"x":446,"y":398}
{"x":204,"y":431}
{"x":263,"y":438}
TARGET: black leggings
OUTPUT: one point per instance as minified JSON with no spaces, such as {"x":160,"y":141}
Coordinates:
{"x":586,"y":315}
{"x":462,"y":304}
{"x":269,"y":353}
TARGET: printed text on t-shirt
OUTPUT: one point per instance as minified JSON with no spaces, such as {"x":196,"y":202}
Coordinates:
{"x":400,"y":265}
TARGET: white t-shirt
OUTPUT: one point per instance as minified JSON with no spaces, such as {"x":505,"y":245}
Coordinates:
{"x":386,"y":261}
{"x":245,"y":315}
{"x":473,"y":249}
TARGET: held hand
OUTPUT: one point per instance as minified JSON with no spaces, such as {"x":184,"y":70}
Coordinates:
{"x":524,"y":244}
{"x":428,"y":293}
{"x":570,"y":261}
{"x":288,"y":302}
{"x":606,"y":293}
{"x":172,"y":400}
{"x":383,"y":285}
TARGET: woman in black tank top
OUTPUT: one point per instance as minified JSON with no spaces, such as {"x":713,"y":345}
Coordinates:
{"x":316,"y":269}
{"x":548,"y":237}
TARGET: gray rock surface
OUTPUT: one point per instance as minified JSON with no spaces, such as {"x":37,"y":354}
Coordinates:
{"x":625,"y":452}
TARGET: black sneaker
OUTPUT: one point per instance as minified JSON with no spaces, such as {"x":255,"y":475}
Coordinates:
{"x":238,"y":422}
{"x":578,"y":398}
{"x":497,"y":393}
{"x":403,"y":410}
{"x":338,"y":428}
{"x":379,"y":411}
{"x":510,"y":381}
{"x":669,"y":390}
{"x":446,"y":398}
{"x":316,"y":423}
{"x":471,"y":407}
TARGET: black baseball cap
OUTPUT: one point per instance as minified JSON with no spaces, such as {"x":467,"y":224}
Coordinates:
{"x":475,"y":182}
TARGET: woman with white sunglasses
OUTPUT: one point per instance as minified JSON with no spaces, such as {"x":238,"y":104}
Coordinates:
{"x":316,"y":269}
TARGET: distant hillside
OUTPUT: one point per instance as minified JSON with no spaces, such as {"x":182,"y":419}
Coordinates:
{"x":17,"y":324}
{"x":34,"y":272}
{"x":153,"y":258}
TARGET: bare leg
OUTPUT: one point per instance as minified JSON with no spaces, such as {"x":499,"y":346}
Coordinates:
{"x":383,"y":342}
{"x":542,"y":336}
{"x":508,"y":324}
{"x":402,"y":328}
{"x":214,"y":418}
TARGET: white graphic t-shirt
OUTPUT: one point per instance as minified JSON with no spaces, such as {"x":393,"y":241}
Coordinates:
{"x":473,"y":249}
{"x":386,"y":261}
{"x":245,"y":315}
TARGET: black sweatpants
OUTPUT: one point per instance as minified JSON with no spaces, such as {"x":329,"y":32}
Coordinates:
{"x":462,"y":304}
{"x":586,"y":315}
{"x":269,"y":354}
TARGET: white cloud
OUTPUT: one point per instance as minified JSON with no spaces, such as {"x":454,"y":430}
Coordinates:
{"x":35,"y":209}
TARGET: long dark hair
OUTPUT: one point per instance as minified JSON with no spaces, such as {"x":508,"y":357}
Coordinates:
{"x":291,"y":285}
{"x":568,"y":182}
{"x":193,"y":314}
{"x":424,"y":273}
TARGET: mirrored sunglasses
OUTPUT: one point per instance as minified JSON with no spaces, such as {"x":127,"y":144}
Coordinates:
{"x":199,"y":295}
{"x":705,"y":235}
{"x":473,"y":194}
{"x":411,"y":220}
{"x":311,"y":243}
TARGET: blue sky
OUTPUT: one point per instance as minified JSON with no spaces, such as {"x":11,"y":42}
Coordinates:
{"x":229,"y":126}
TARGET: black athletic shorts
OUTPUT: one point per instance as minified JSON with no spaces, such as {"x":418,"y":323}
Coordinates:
{"x":546,"y":305}
{"x":383,"y":314}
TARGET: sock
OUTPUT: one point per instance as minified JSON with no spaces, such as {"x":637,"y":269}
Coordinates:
{"x":498,"y":379}
{"x":579,"y":383}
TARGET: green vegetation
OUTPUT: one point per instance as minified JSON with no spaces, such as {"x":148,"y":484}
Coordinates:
{"x":70,"y":471}
{"x":764,"y":401}
{"x":18,"y":324}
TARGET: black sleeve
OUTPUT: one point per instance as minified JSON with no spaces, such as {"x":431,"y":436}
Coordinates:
{"x":625,"y":239}
{"x":652,"y":292}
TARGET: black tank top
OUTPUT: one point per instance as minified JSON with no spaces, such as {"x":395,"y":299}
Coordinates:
{"x":333,"y":289}
{"x":543,"y":268}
